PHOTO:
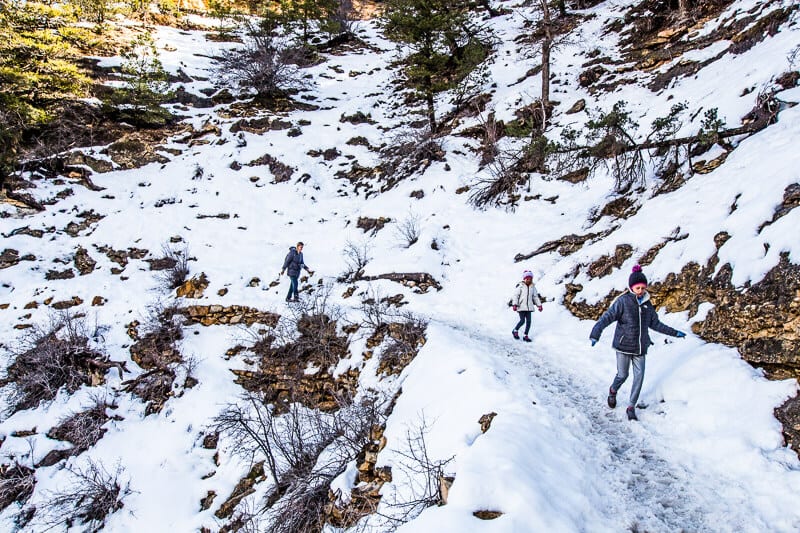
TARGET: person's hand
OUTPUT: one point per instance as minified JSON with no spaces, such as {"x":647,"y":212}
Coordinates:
{"x":281,"y":274}
{"x":540,"y":308}
{"x":680,"y":334}
{"x":514,"y":307}
{"x":594,"y":341}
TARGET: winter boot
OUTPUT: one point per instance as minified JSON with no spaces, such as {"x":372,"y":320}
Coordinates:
{"x":612,"y":398}
{"x":631,"y":412}
{"x":526,"y":338}
{"x":515,"y":334}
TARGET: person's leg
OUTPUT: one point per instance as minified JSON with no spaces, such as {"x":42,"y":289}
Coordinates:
{"x":293,"y":286}
{"x":521,"y":320}
{"x":623,"y":364}
{"x":528,"y":321}
{"x":291,"y":289}
{"x":638,"y":378}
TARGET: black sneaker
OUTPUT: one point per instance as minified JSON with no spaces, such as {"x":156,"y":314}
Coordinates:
{"x":295,"y":299}
{"x":631,"y":412}
{"x":526,"y":338}
{"x":515,"y":334}
{"x":612,"y":398}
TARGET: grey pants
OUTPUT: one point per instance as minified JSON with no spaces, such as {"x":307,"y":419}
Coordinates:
{"x":624,"y":361}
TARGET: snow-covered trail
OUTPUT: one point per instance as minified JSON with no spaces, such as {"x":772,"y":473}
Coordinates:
{"x":633,"y":477}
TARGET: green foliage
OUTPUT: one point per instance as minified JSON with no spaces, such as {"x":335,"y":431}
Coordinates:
{"x":666,"y":127}
{"x":617,"y":123}
{"x":37,"y":71}
{"x":94,"y":10}
{"x":710,"y":127}
{"x":445,"y":46}
{"x":147,"y":85}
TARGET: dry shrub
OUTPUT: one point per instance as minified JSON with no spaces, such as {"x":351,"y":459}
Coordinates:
{"x":93,"y":494}
{"x":83,"y":429}
{"x":173,"y":267}
{"x":304,"y":451}
{"x":59,"y":355}
{"x":16,"y":484}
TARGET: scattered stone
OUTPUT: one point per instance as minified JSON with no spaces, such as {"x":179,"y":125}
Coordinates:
{"x":243,"y":489}
{"x":83,"y":262}
{"x":419,"y":195}
{"x":486,"y":421}
{"x":577,"y":107}
{"x":194,"y":287}
{"x":254,"y":282}
{"x":62,"y":274}
{"x":66,"y":304}
{"x":372,"y":224}
{"x":10,"y":257}
{"x":211,"y":315}
{"x":98,"y":301}
{"x":281,"y":171}
{"x":208,"y":501}
{"x":210,"y":441}
{"x":31,"y":305}
{"x":222,"y":292}
{"x":487,"y":515}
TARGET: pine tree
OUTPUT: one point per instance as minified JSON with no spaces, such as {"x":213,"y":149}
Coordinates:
{"x":444,"y":45}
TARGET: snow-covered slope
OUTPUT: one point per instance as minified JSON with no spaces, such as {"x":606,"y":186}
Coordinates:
{"x":707,"y":453}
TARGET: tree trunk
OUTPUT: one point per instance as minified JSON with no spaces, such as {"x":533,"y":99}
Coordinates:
{"x":547,"y":43}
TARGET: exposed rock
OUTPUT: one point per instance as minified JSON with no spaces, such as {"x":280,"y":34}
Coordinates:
{"x":281,"y":171}
{"x":210,"y":441}
{"x":89,"y":218}
{"x":194,"y":287}
{"x":98,"y":301}
{"x":97,"y":165}
{"x":243,"y":489}
{"x":208,"y":501}
{"x":121,"y":257}
{"x":606,"y":264}
{"x":63,"y":274}
{"x":486,"y":421}
{"x":445,"y":483}
{"x":66,"y":304}
{"x":10,"y":257}
{"x":134,"y":151}
{"x":420,"y":282}
{"x":211,"y":315}
{"x":791,"y":199}
{"x":576,"y":176}
{"x":487,"y":515}
{"x":566,"y":245}
{"x":577,"y":107}
{"x":372,"y":224}
{"x":83,"y":261}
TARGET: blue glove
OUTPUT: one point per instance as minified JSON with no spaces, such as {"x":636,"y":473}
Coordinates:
{"x":680,"y":334}
{"x":594,"y":341}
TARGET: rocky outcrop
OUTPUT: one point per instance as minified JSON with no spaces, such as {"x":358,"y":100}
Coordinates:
{"x":420,"y":282}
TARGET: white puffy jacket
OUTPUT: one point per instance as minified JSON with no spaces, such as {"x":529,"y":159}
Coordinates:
{"x":526,"y":298}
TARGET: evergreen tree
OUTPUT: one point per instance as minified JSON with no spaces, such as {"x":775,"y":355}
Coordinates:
{"x":444,"y":45}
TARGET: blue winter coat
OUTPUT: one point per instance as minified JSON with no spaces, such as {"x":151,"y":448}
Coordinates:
{"x":293,"y":263}
{"x":634,"y":320}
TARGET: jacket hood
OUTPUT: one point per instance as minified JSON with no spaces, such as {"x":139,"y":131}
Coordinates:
{"x":646,"y":297}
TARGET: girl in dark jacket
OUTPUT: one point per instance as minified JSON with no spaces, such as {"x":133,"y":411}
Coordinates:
{"x":635,"y":316}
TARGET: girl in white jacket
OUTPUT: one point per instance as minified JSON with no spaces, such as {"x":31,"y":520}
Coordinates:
{"x":524,"y":300}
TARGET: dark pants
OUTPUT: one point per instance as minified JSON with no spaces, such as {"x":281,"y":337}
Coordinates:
{"x":524,"y":318}
{"x":292,"y":287}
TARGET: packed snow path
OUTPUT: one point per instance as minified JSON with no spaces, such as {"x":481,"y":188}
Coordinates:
{"x":635,"y":480}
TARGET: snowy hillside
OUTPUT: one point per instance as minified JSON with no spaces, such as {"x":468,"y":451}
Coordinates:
{"x":707,"y":453}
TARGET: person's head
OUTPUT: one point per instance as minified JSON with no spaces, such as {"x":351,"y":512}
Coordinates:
{"x":527,"y":277}
{"x":299,"y":246}
{"x":637,"y":282}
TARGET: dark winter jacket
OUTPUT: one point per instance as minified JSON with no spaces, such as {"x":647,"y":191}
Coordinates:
{"x":293,"y":263}
{"x":633,"y":320}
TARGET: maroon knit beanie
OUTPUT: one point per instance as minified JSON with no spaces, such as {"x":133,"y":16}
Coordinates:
{"x":636,"y":277}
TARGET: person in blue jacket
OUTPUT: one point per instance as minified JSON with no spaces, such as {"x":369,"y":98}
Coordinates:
{"x":635,"y":316}
{"x":292,"y":266}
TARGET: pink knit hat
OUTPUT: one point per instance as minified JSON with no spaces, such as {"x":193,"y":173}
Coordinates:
{"x":527,"y":274}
